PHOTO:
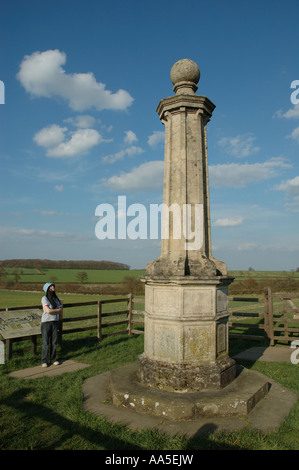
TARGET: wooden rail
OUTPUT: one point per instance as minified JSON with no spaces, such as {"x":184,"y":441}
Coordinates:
{"x":275,"y":321}
{"x":240,"y":324}
{"x":99,"y":316}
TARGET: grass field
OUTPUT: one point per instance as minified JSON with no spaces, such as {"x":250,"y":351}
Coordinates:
{"x":69,"y":275}
{"x":11,"y":298}
{"x":47,"y":413}
{"x":264,"y":274}
{"x":26,"y":275}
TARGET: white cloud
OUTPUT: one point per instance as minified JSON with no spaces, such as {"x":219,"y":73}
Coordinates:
{"x":229,"y":222}
{"x":239,"y":146}
{"x":290,"y":114}
{"x":50,"y":136}
{"x":293,"y":206}
{"x":83,"y":121}
{"x":130,"y":137}
{"x":59,"y":188}
{"x":148,"y":176}
{"x":295,"y":134}
{"x":248,"y":246}
{"x":156,"y":138}
{"x":291,"y":187}
{"x":239,"y":175}
{"x":130,"y":152}
{"x":47,"y":213}
{"x":47,"y":234}
{"x":81,"y":141}
{"x":42,"y":75}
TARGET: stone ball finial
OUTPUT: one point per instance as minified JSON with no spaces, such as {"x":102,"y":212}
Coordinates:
{"x":185,"y":75}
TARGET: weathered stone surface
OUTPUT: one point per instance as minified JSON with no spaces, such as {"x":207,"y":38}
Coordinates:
{"x":267,"y":414}
{"x":186,"y":334}
{"x":185,"y":70}
{"x":186,"y":182}
{"x":237,"y":399}
{"x":186,"y":288}
{"x":185,"y":382}
{"x":186,"y":377}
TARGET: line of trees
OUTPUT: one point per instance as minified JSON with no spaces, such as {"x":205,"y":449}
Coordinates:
{"x":62,"y":264}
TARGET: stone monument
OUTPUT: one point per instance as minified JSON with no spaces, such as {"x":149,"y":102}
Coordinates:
{"x":185,"y":380}
{"x":186,"y":288}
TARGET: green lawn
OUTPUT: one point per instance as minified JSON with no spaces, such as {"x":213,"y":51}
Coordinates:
{"x":47,"y":413}
{"x":246,"y":274}
{"x":115,"y":275}
{"x":70,"y":275}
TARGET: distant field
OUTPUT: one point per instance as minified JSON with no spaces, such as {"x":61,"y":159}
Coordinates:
{"x":26,"y":275}
{"x":70,"y":275}
{"x":263,"y":274}
{"x":115,"y":281}
{"x":11,"y":298}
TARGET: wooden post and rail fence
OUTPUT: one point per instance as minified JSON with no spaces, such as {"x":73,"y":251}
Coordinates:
{"x":276,"y":317}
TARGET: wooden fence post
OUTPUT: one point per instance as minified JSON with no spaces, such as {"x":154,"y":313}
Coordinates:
{"x":266,"y":315}
{"x":99,"y":319}
{"x":60,"y":325}
{"x":8,"y":344}
{"x":130,"y":314}
{"x":34,"y":344}
{"x":269,"y":316}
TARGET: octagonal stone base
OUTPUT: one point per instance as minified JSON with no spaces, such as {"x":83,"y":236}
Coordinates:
{"x":186,"y":334}
{"x":252,"y":399}
{"x":185,"y":377}
{"x":237,"y":399}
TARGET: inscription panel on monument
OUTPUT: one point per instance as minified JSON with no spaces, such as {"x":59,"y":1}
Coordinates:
{"x":221,"y":337}
{"x":199,"y":302}
{"x":166,"y":343}
{"x":222,"y":300}
{"x":166,"y":301}
{"x":198,"y":343}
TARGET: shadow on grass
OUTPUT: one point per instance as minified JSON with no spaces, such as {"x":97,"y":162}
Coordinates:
{"x":78,"y":347}
{"x":69,"y":428}
{"x":203,"y":439}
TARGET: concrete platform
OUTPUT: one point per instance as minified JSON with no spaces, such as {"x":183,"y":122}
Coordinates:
{"x":39,"y":371}
{"x":266,"y":415}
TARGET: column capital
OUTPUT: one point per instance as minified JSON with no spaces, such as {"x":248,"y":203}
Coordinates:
{"x":192,"y":102}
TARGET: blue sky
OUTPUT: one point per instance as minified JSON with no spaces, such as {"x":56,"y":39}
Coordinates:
{"x":79,"y":125}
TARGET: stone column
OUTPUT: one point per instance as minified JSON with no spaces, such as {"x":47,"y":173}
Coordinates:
{"x":186,"y":288}
{"x":186,"y":247}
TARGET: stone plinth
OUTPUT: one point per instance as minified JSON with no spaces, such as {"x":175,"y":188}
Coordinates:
{"x":238,"y":399}
{"x":186,"y":334}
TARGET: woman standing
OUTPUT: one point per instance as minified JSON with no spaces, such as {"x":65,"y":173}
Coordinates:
{"x":52,"y":308}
